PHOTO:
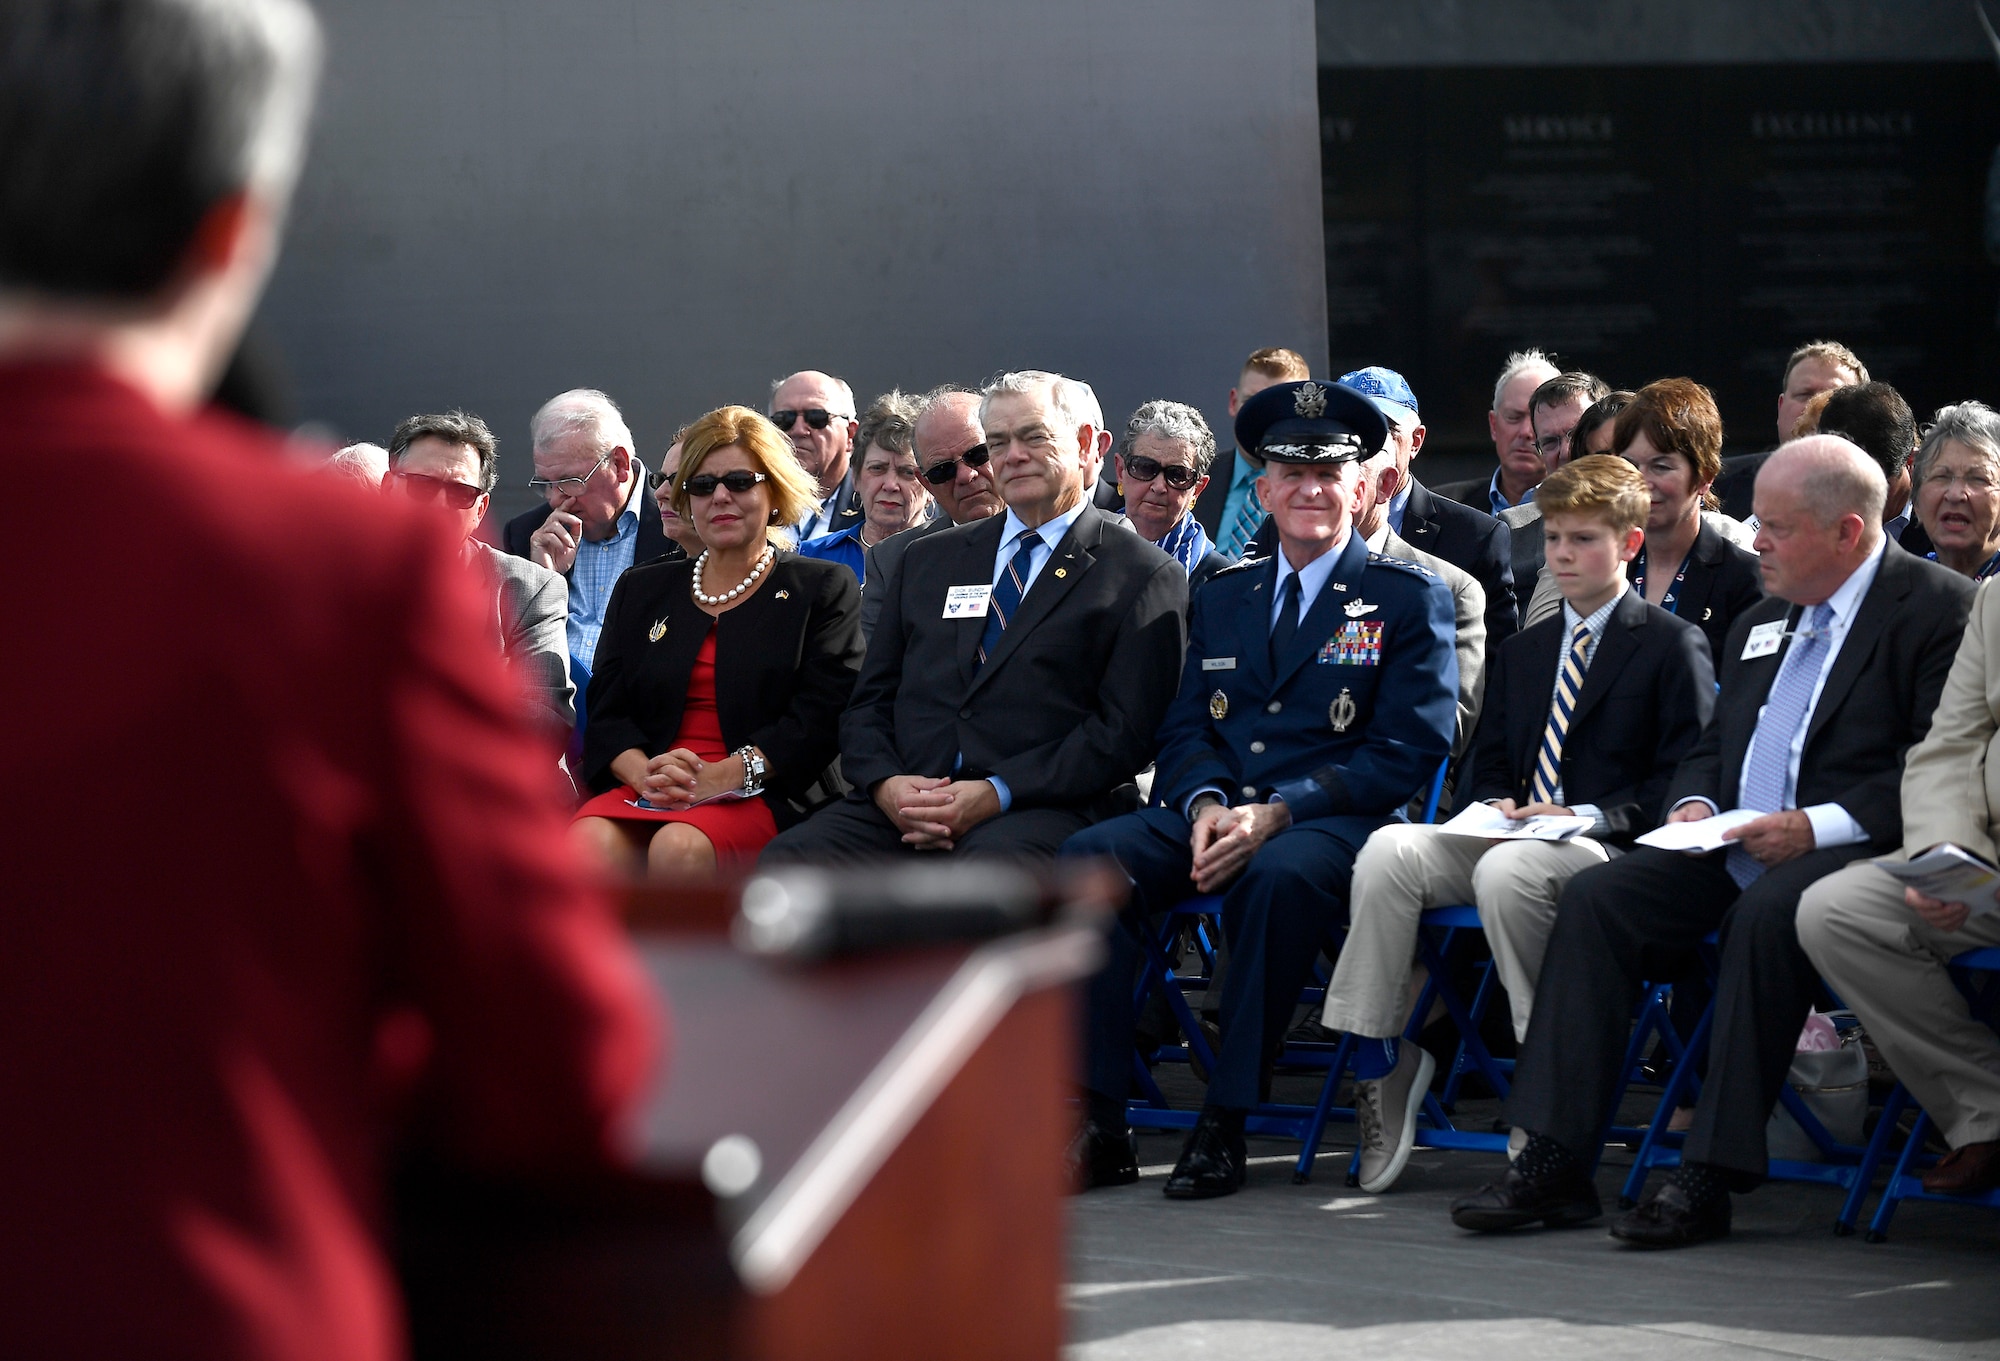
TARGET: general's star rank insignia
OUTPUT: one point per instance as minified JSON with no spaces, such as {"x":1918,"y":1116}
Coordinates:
{"x":657,"y":632}
{"x":1342,"y":711}
{"x":1218,"y":706}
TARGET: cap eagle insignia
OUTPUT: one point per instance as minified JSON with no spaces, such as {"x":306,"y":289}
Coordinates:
{"x":1310,"y":401}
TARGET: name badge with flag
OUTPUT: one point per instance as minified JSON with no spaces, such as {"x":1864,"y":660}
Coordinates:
{"x":1359,"y":643}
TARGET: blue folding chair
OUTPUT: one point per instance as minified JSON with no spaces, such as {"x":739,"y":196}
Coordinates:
{"x":1151,"y":1110}
{"x":1977,"y":974}
{"x":1846,"y":1166}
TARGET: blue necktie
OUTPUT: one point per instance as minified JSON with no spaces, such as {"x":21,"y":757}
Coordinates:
{"x":1785,"y":712}
{"x":1243,"y":525}
{"x":1569,"y":684}
{"x":1288,"y":619}
{"x":1007,"y":595}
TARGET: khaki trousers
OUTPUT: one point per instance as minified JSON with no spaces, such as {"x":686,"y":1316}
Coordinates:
{"x":1407,"y":867}
{"x":1888,"y":965}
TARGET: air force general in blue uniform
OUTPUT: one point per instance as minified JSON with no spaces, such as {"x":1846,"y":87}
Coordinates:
{"x":1330,"y":687}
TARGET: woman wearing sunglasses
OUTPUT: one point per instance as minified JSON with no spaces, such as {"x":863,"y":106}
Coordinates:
{"x":715,"y":698}
{"x":1162,"y":466}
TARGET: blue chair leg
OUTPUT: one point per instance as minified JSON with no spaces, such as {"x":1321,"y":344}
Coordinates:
{"x":1893,"y":1193}
{"x":1871,"y":1160}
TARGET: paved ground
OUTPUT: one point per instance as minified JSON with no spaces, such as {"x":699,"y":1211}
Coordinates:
{"x":1279,"y":1271}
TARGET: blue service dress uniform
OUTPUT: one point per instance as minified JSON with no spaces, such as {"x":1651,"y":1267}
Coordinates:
{"x":1347,"y":725}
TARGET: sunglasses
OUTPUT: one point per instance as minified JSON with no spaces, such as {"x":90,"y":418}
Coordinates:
{"x":817,"y":418}
{"x":739,"y":482}
{"x":420,"y":488}
{"x":945,"y":470}
{"x":1142,"y":469}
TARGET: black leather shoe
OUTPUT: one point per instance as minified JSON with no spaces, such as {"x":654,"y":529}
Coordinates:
{"x":1560,"y":1201}
{"x":1211,"y":1164}
{"x":1105,"y":1158}
{"x":1668,"y":1219}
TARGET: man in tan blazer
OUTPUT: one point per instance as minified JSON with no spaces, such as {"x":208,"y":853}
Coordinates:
{"x":1884,"y":947}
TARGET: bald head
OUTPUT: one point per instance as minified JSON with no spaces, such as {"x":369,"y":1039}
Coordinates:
{"x":1819,"y":516}
{"x":947,"y":427}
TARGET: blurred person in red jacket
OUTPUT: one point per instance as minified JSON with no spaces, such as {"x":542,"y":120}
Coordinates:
{"x":287,"y":895}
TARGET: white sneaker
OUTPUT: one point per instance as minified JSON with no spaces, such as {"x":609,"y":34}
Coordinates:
{"x":1386,"y":1109}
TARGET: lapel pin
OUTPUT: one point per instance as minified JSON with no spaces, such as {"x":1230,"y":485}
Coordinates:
{"x":657,"y":632}
{"x":1062,"y":571}
{"x":784,"y":595}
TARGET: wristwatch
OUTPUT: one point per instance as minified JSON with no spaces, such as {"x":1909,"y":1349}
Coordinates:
{"x":1203,"y":800}
{"x":753,"y":771}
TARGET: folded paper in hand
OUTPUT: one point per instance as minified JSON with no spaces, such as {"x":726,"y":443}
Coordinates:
{"x":1703,"y":834}
{"x":1488,"y":823}
{"x":1949,"y":873}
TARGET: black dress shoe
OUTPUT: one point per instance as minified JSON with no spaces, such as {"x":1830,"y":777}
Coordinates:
{"x":1560,"y":1200}
{"x":1105,"y":1158}
{"x":1211,"y":1164}
{"x":1668,"y":1219}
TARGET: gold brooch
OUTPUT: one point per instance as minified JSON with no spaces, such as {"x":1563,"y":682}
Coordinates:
{"x":657,"y":632}
{"x":784,"y":595}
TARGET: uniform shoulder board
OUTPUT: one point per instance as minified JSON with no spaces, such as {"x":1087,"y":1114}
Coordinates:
{"x":1384,"y":560}
{"x":1235,"y":567}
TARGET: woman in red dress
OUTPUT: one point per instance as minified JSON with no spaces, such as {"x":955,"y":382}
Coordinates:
{"x":718,"y":684}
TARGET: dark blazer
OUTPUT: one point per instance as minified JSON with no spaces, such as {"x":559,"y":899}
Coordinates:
{"x":1876,"y":703}
{"x":1066,"y":708}
{"x":1722,"y":582}
{"x":1379,"y":642}
{"x":785,"y":662}
{"x":1213,"y":561}
{"x":846,"y":504}
{"x":653,"y":541}
{"x":1208,"y":506}
{"x":880,"y":563}
{"x":1476,"y":492}
{"x":1473,"y":541}
{"x":1648,"y":694}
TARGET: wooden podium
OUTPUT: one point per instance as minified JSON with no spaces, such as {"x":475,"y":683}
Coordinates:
{"x":861,"y":1158}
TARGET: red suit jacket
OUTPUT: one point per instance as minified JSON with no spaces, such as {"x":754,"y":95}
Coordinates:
{"x":282,"y":883}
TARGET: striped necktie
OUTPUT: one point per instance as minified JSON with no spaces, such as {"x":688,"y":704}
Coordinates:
{"x":1007,"y":595}
{"x":1785,"y":712}
{"x":1569,"y":683}
{"x":1242,"y":526}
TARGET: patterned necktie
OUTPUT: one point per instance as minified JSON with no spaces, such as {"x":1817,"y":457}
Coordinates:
{"x":1242,"y":526}
{"x":1569,"y":684}
{"x":1785,"y":711}
{"x":1288,"y":619}
{"x":1007,"y":595}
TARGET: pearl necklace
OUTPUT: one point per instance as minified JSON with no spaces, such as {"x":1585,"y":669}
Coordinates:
{"x":740,"y":587}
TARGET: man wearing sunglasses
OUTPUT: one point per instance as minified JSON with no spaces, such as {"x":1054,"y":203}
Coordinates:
{"x":1162,"y":466}
{"x":449,"y":463}
{"x":951,"y":450}
{"x":816,"y":412}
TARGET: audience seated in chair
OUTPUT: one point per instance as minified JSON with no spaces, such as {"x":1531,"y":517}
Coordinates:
{"x":1824,"y":687}
{"x":1318,"y":694}
{"x":1020,"y":667}
{"x":1586,"y":715}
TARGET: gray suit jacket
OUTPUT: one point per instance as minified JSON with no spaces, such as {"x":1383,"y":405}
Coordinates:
{"x":880,"y":563}
{"x":531,"y":624}
{"x":1468,"y":604}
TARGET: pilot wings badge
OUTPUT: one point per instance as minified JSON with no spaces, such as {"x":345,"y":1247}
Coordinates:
{"x":1357,"y":608}
{"x":1309,"y":401}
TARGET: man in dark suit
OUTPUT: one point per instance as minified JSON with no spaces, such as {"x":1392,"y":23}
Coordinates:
{"x":952,"y":453}
{"x":1020,"y":665}
{"x":1462,"y":536}
{"x":1824,"y":687}
{"x":1554,"y":410}
{"x":1227,"y":508}
{"x":345,"y":920}
{"x":1510,"y":424}
{"x":1319,"y":693}
{"x":817,"y":413}
{"x":1875,"y":416}
{"x":1814,"y":367}
{"x":1587,"y":715}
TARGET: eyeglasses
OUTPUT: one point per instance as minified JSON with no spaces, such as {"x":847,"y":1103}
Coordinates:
{"x":420,"y":488}
{"x":817,"y":417}
{"x":1548,"y":446}
{"x":565,"y":486}
{"x":944,"y":470}
{"x":739,"y":481}
{"x":1142,"y":469}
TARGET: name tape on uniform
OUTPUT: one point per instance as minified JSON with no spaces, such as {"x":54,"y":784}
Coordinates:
{"x":1764,"y":640}
{"x":1218,"y":663}
{"x":967,"y":602}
